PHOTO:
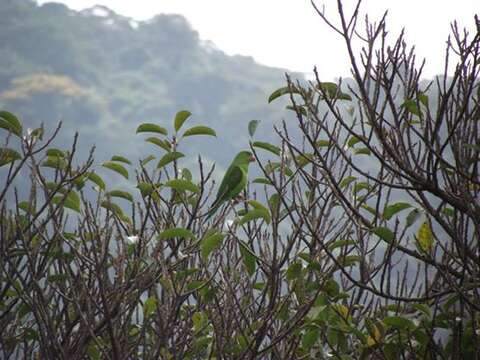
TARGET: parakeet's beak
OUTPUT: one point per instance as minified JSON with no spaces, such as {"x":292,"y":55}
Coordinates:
{"x":252,"y":158}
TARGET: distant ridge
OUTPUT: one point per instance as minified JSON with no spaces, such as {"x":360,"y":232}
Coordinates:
{"x":129,"y":72}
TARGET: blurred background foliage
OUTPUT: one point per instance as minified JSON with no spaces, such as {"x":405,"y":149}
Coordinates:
{"x":102,"y":74}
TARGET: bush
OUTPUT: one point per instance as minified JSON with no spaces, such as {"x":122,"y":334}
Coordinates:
{"x":359,"y":240}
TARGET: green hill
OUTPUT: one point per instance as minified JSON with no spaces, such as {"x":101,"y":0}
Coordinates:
{"x":102,"y":74}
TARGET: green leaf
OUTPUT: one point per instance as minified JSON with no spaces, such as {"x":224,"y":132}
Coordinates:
{"x":187,"y":174}
{"x":149,"y":307}
{"x":332,"y":91}
{"x":304,"y":159}
{"x":182,"y":185}
{"x":384,"y":233}
{"x":96,"y":180}
{"x":255,"y":214}
{"x":27,"y":207}
{"x":323,"y":143}
{"x":340,"y":243}
{"x":71,"y":201}
{"x":359,"y":186}
{"x":267,"y":146}
{"x":114,"y":208}
{"x":294,"y":271}
{"x":146,"y":189}
{"x":121,"y":159}
{"x":164,"y":144}
{"x":23,"y":310}
{"x":200,"y":320}
{"x":180,"y":118}
{"x":195,"y":285}
{"x":92,"y":351}
{"x":298,"y":109}
{"x":209,"y":244}
{"x":257,"y":205}
{"x":423,"y":308}
{"x":10,"y":122}
{"x":56,"y":152}
{"x":8,"y":155}
{"x":57,"y":278}
{"x":272,"y":166}
{"x":391,"y":210}
{"x":411,"y":106}
{"x":310,"y":337}
{"x":147,"y":160}
{"x":168,"y":158}
{"x":412,"y":217}
{"x":370,"y":209}
{"x":252,"y":127}
{"x":149,"y":127}
{"x":282,"y":91}
{"x":52,"y":186}
{"x":37,"y":133}
{"x":399,"y":322}
{"x":352,"y":141}
{"x":423,"y":98}
{"x":79,"y":180}
{"x":275,"y":203}
{"x":116,"y":167}
{"x":349,"y":260}
{"x":362,"y":151}
{"x":347,"y":181}
{"x":425,"y":238}
{"x":121,"y":194}
{"x":176,"y":233}
{"x":55,"y":162}
{"x":199,"y":130}
{"x":259,"y":286}
{"x":448,"y":211}
{"x":262,"y":180}
{"x":249,"y":258}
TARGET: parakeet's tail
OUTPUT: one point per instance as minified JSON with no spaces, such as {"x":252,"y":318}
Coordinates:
{"x":212,"y":212}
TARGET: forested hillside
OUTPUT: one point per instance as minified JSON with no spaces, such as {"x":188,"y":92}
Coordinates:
{"x":102,"y":74}
{"x":354,"y":235}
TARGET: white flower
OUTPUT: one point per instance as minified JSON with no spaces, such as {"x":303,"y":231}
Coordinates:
{"x":132,"y":239}
{"x":181,"y":255}
{"x":458,"y":319}
{"x":76,"y":328}
{"x":228,"y":224}
{"x":28,"y":138}
{"x":477,"y":332}
{"x":286,"y":154}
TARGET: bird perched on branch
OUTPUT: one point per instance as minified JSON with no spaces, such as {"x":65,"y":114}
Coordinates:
{"x":234,"y":181}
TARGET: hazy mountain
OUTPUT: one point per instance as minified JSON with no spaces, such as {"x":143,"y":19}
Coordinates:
{"x":103,"y":74}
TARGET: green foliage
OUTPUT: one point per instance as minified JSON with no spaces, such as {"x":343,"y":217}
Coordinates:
{"x":180,"y":118}
{"x":117,"y":168}
{"x":210,"y":243}
{"x":252,"y":127}
{"x":9,"y":122}
{"x":8,"y":156}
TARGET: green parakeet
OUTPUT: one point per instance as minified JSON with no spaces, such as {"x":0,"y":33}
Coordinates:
{"x":234,"y":181}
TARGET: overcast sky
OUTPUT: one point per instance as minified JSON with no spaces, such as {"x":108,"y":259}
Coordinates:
{"x":289,"y":34}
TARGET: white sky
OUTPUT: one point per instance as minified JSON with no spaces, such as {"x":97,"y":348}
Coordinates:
{"x":289,"y":34}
